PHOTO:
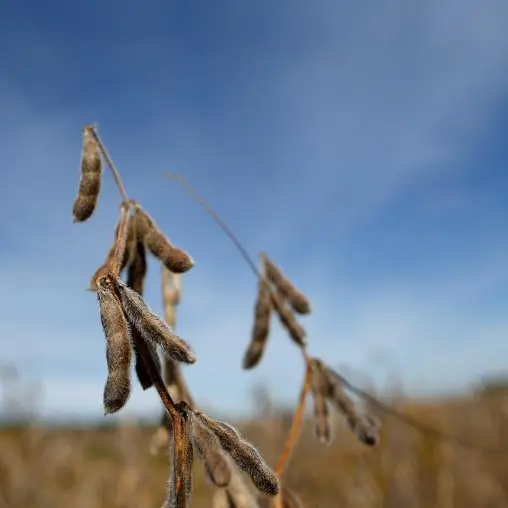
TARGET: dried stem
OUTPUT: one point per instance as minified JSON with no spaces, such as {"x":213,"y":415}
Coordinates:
{"x":109,"y":162}
{"x":296,"y":423}
{"x":209,"y":209}
{"x":180,"y":438}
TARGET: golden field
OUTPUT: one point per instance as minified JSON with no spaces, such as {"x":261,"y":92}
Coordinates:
{"x":106,"y":467}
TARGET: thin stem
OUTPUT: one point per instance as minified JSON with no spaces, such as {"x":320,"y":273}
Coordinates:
{"x":110,"y":163}
{"x":296,"y":423}
{"x":209,"y":209}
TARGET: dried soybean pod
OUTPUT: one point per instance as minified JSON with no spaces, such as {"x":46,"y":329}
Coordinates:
{"x":210,"y":453}
{"x":237,"y":494}
{"x":91,"y":176}
{"x":174,"y":259}
{"x":130,"y":244}
{"x":118,"y":347}
{"x":151,"y":327}
{"x":319,"y":388}
{"x":243,"y":453}
{"x":141,"y":371}
{"x":117,"y":253}
{"x":136,"y":274}
{"x":261,"y":328}
{"x":288,"y":320}
{"x":137,"y":269}
{"x":366,"y":427}
{"x":298,"y":301}
{"x":289,"y":500}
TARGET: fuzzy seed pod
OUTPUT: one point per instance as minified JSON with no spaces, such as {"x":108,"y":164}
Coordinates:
{"x":243,"y":454}
{"x":130,"y":252}
{"x":296,"y":299}
{"x":367,"y":430}
{"x":152,"y":328}
{"x":137,"y":269}
{"x":118,"y":347}
{"x":91,"y":175}
{"x":117,"y":254}
{"x":141,"y":371}
{"x":366,"y":427}
{"x":210,"y":452}
{"x":319,"y":387}
{"x":288,"y":320}
{"x":136,"y":274}
{"x":174,"y":259}
{"x":289,"y":500}
{"x":237,"y":494}
{"x":261,"y":328}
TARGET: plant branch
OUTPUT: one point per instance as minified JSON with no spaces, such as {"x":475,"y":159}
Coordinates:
{"x":110,"y":163}
{"x":209,"y":209}
{"x":296,"y":423}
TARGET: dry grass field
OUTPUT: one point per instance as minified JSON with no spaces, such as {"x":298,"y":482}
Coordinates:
{"x":112,"y":467}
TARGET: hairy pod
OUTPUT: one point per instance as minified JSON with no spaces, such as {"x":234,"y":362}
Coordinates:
{"x":298,"y":301}
{"x":318,"y":388}
{"x":152,"y":328}
{"x":136,"y":274}
{"x":90,"y":181}
{"x":288,"y":320}
{"x":261,"y":328}
{"x":246,"y":457}
{"x":174,"y":259}
{"x":118,"y":347}
{"x":365,"y":427}
{"x":142,"y":373}
{"x":289,"y":500}
{"x":117,"y":255}
{"x":210,"y":453}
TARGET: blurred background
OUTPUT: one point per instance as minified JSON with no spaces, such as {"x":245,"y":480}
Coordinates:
{"x":362,"y":146}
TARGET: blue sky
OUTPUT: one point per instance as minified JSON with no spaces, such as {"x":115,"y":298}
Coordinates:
{"x":363,"y":146}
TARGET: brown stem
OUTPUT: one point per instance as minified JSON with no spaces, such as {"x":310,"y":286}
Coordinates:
{"x":179,"y":451}
{"x":209,"y":209}
{"x":296,"y":424}
{"x":109,"y":161}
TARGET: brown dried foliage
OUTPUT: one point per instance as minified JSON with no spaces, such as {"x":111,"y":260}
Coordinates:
{"x":91,"y":176}
{"x":296,"y":299}
{"x":174,"y":259}
{"x":261,"y":328}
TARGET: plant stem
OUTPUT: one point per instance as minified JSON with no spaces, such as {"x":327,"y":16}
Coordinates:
{"x":110,"y":163}
{"x":296,"y":423}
